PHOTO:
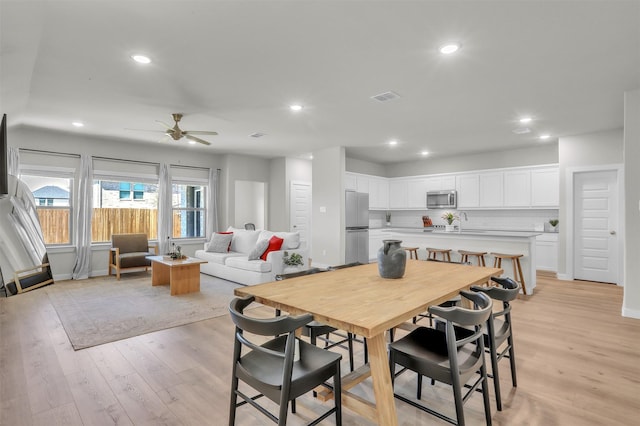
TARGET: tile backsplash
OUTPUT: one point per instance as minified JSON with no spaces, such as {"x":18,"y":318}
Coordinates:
{"x":506,"y":220}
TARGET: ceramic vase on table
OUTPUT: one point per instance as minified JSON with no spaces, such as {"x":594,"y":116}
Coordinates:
{"x":392,"y":259}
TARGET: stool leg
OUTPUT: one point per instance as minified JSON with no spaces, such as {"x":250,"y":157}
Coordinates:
{"x":524,"y":288}
{"x":481,"y":257}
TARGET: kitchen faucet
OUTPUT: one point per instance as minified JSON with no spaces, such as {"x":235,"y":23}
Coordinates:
{"x":461,"y":215}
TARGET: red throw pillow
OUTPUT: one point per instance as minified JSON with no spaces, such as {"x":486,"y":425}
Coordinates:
{"x":274,"y":245}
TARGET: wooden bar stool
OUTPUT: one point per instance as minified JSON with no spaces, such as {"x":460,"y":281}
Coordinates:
{"x":432,"y":253}
{"x":517,"y":269}
{"x":413,"y":252}
{"x":464,"y":256}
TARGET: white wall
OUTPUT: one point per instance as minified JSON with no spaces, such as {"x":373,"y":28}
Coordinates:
{"x":546,"y":153}
{"x":631,"y":302}
{"x":365,"y":167}
{"x":278,"y":217}
{"x":250,"y":199}
{"x":327,"y":229}
{"x":582,"y":151}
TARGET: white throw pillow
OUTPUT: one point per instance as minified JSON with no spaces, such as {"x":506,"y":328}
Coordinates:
{"x":243,"y":240}
{"x":291,"y":239}
{"x":219,"y":243}
{"x":257,"y":251}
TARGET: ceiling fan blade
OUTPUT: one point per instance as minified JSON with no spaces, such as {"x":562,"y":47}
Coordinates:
{"x":145,"y":130}
{"x":164,"y":124}
{"x":198,"y":132}
{"x":193,"y":138}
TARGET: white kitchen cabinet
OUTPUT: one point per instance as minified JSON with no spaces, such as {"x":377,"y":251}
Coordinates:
{"x":545,"y":187}
{"x":375,"y":242}
{"x":417,"y":193}
{"x":468,"y":187}
{"x":362,"y":184}
{"x":491,"y":189}
{"x":398,"y":193}
{"x":547,"y":252}
{"x":378,"y":193}
{"x":441,"y":183}
{"x":517,"y":188}
{"x":350,"y":182}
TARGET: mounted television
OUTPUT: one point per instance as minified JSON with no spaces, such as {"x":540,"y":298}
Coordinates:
{"x":4,"y":168}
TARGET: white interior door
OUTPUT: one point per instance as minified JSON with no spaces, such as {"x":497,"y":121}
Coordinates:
{"x":595,"y":226}
{"x":300,"y":210}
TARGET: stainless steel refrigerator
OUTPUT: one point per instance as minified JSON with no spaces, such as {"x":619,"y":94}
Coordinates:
{"x":357,"y":227}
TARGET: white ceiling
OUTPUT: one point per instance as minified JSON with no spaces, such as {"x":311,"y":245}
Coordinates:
{"x":235,"y":66}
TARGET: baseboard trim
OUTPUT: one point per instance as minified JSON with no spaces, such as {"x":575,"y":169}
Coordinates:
{"x":564,"y":277}
{"x":62,"y":277}
{"x":631,"y":313}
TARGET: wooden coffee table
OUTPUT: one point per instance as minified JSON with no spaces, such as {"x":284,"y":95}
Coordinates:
{"x":182,"y":275}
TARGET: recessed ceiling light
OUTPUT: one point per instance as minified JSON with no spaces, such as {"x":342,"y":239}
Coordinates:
{"x":424,"y":153}
{"x":78,"y":124}
{"x":449,"y":48}
{"x":545,"y":136}
{"x":311,"y":157}
{"x":526,"y":120}
{"x":295,"y":107}
{"x":393,"y":143}
{"x":141,"y":59}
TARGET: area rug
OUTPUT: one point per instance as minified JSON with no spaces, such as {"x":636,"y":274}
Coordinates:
{"x":101,"y":310}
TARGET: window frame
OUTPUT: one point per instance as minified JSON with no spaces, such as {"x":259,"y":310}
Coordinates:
{"x":204,"y":186}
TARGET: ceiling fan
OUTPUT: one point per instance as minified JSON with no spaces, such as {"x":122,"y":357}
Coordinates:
{"x":176,"y":133}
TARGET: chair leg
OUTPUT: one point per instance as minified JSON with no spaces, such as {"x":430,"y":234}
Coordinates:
{"x":366,"y":350}
{"x":512,"y":361}
{"x":419,"y":390}
{"x":350,"y":344}
{"x":457,"y":397}
{"x":337,"y":391}
{"x":485,"y":393}
{"x":233,"y":401}
{"x":293,"y":406}
{"x":496,"y":375}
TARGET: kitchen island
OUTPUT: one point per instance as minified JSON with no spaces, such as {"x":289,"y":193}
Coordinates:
{"x":514,"y":242}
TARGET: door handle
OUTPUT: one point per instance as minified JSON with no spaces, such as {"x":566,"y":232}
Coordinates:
{"x":612,"y":232}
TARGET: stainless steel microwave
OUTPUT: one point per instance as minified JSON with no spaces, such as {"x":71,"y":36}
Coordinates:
{"x":442,"y":199}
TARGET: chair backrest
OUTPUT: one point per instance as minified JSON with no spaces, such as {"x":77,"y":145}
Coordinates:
{"x":130,"y":243}
{"x":346,"y":265}
{"x":267,"y":326}
{"x":310,"y":271}
{"x":250,"y":226}
{"x":507,"y":293}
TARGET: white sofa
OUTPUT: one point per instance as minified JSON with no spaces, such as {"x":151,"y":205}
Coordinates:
{"x":234,"y":265}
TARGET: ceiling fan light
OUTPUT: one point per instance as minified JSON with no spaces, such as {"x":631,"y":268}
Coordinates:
{"x":449,"y":48}
{"x":78,"y":124}
{"x":141,"y":59}
{"x":295,"y":107}
{"x":192,"y":142}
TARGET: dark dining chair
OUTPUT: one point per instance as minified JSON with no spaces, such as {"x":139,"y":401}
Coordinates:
{"x":316,"y":330}
{"x":282,"y":369}
{"x":499,"y":330}
{"x":447,"y":358}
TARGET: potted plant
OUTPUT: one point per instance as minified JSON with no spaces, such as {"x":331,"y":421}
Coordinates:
{"x":293,"y":262}
{"x":554,"y":224}
{"x":449,"y":217}
{"x":388,"y":218}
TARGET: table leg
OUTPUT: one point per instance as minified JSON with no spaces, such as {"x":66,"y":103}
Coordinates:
{"x":185,"y":279}
{"x":382,"y":388}
{"x":159,"y":274}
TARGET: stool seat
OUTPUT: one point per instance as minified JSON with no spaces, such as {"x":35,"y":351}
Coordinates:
{"x":464,"y":256}
{"x":517,"y":268}
{"x":432,"y":253}
{"x":413,"y":252}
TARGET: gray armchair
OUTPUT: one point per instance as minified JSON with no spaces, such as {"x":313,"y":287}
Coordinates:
{"x":129,"y":251}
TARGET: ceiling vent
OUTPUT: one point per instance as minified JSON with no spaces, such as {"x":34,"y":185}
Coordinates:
{"x":521,"y":130}
{"x":257,"y":135}
{"x":386,"y":96}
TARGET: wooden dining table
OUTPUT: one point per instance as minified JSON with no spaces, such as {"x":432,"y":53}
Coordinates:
{"x":358,"y":300}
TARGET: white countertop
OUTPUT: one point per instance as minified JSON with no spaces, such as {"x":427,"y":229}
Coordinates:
{"x":464,"y":232}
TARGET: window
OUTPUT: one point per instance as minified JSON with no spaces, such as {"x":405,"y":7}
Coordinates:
{"x":52,"y":196}
{"x":121,"y":207}
{"x":189,"y":211}
{"x":125,"y":191}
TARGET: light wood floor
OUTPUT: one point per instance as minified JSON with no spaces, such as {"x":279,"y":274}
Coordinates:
{"x":578,"y":364}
